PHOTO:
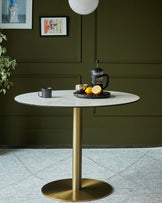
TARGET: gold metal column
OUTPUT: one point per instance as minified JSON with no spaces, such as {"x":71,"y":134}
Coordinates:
{"x":77,"y":189}
{"x":77,"y":160}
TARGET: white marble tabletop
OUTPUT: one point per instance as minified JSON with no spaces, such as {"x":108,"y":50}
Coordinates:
{"x":65,"y":98}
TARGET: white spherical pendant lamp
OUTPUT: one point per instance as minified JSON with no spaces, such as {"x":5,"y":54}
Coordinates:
{"x":83,"y":7}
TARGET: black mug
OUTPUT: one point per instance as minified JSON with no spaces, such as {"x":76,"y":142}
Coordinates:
{"x":45,"y":92}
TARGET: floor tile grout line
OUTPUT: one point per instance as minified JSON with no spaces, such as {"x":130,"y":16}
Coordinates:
{"x":144,"y":155}
{"x":147,"y":151}
{"x":99,"y":164}
{"x":22,"y":163}
{"x":111,"y":177}
{"x":33,"y":174}
{"x":20,"y":179}
{"x":118,"y":171}
{"x":148,"y":155}
{"x":119,"y":174}
{"x":15,"y":182}
{"x":132,"y":164}
{"x":51,"y":165}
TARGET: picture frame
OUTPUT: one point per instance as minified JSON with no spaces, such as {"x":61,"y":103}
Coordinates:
{"x":16,"y":14}
{"x":53,"y":26}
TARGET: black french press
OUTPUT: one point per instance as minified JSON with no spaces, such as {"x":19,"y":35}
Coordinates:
{"x":97,"y":76}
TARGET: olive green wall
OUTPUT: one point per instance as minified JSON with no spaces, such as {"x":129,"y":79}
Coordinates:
{"x":126,"y":36}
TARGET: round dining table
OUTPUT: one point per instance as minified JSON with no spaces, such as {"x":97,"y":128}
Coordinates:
{"x":76,"y":189}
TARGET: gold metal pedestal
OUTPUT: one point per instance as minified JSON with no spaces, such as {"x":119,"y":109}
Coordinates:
{"x":61,"y":190}
{"x":77,"y":189}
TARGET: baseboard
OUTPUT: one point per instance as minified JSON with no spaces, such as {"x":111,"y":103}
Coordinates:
{"x":70,"y":146}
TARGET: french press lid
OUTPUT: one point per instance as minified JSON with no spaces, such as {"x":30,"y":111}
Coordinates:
{"x":97,"y":70}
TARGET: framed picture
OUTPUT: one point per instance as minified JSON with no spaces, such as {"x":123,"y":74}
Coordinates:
{"x":53,"y":26}
{"x":16,"y":14}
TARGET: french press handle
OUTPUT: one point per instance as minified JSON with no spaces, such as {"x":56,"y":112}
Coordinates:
{"x":107,"y":80}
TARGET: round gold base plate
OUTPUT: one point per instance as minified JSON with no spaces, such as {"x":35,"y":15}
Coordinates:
{"x":91,"y":189}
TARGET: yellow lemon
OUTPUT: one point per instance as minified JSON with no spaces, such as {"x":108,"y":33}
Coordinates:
{"x":88,"y":90}
{"x":96,"y":89}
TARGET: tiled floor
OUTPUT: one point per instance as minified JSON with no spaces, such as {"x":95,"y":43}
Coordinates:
{"x":135,"y":174}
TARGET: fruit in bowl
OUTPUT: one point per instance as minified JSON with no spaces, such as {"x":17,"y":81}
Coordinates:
{"x":84,"y":89}
{"x":80,"y":88}
{"x":97,"y":89}
{"x":88,"y":90}
{"x":93,"y":90}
